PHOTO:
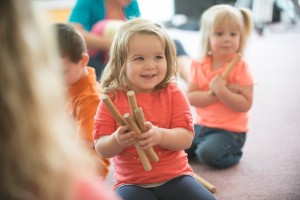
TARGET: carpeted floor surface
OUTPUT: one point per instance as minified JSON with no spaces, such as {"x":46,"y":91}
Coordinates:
{"x":270,"y":167}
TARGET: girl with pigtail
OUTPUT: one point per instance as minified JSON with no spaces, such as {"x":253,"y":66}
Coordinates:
{"x":222,"y":97}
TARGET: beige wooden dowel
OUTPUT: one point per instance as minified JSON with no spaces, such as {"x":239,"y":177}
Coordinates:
{"x":115,"y":113}
{"x":141,"y":120}
{"x":228,"y":69}
{"x":133,"y":126}
{"x":113,"y":110}
{"x":206,"y":184}
{"x":143,"y":157}
{"x":133,"y":106}
{"x":132,"y":103}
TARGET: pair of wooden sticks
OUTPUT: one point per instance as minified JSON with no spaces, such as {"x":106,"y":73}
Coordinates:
{"x":136,"y":123}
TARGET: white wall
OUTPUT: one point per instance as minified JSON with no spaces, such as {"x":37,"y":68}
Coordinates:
{"x":157,"y":10}
{"x":54,"y":4}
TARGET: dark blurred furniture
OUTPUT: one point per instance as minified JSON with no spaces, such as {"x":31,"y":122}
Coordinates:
{"x":193,"y":10}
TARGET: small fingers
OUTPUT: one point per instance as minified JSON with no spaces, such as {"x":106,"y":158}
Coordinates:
{"x":146,"y":139}
{"x":129,"y":138}
{"x":125,"y":137}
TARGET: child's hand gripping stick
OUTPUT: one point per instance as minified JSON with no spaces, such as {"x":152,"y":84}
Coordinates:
{"x":115,"y":113}
{"x":228,"y":70}
{"x":140,"y":120}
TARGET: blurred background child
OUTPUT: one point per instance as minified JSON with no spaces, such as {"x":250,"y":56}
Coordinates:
{"x":82,"y":86}
{"x":221,"y":118}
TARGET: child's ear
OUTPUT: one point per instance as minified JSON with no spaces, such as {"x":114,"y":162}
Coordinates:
{"x":85,"y":59}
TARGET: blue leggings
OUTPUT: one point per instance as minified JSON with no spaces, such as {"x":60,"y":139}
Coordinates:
{"x":217,"y":148}
{"x":180,"y":188}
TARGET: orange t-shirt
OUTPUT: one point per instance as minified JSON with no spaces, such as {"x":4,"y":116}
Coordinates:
{"x":167,"y":108}
{"x":218,"y":115}
{"x":82,"y":104}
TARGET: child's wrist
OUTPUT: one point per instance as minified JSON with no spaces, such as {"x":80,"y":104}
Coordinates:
{"x":158,"y":135}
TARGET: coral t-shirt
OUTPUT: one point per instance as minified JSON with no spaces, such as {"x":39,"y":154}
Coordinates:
{"x":218,"y":115}
{"x":167,"y":108}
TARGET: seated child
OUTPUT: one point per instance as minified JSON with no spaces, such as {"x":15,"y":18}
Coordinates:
{"x":82,"y":86}
{"x":143,"y":60}
{"x":222,"y":118}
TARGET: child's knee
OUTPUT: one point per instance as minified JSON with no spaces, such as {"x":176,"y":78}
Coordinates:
{"x":205,"y":154}
{"x":216,"y":157}
{"x":210,"y":156}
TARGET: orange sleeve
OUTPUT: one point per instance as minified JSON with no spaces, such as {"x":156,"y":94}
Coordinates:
{"x":85,"y":113}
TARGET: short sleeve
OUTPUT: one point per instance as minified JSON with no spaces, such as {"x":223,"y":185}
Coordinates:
{"x":181,"y":113}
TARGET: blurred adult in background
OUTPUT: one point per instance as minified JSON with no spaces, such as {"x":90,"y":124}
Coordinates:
{"x":40,"y":158}
{"x":86,"y":13}
{"x":91,"y":17}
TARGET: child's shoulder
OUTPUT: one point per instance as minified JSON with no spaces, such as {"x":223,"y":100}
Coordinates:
{"x":173,"y":88}
{"x":116,"y":94}
{"x":201,"y":62}
{"x":242,"y":65}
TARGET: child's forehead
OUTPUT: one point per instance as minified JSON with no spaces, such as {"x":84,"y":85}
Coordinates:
{"x":142,"y":35}
{"x":226,"y":23}
{"x":144,"y":38}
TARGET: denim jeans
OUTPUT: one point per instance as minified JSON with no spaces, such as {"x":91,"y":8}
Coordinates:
{"x":180,"y":188}
{"x":215,"y":147}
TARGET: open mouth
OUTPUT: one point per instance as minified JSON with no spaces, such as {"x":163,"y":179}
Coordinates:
{"x":148,"y":76}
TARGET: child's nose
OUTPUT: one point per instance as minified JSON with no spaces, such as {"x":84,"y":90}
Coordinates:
{"x":226,"y":38}
{"x":150,"y":64}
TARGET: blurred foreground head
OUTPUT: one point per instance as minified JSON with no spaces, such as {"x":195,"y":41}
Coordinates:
{"x":36,"y":144}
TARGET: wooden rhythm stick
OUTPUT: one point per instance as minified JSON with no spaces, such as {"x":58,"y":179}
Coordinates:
{"x":133,"y":126}
{"x":113,"y":110}
{"x":231,"y":66}
{"x":115,"y":113}
{"x":141,"y":120}
{"x":144,"y":159}
{"x":132,"y":103}
{"x":228,"y":69}
{"x":206,"y":184}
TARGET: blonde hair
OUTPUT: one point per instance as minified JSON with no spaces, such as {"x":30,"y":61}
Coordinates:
{"x":37,"y":142}
{"x":216,"y":15}
{"x":114,"y":77}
